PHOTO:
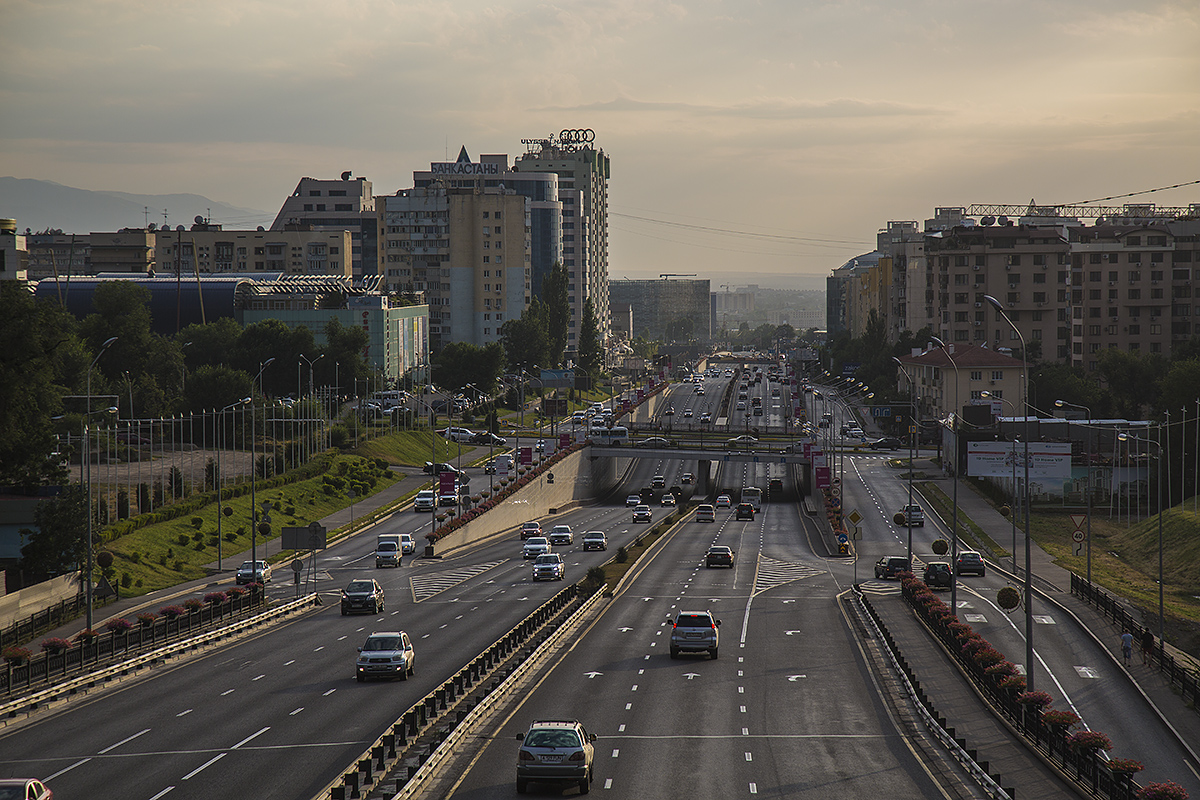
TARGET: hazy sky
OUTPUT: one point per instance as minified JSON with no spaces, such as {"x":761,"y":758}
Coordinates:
{"x":807,"y":124}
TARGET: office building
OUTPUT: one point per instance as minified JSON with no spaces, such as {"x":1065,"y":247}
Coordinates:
{"x":14,"y":258}
{"x":666,"y":310}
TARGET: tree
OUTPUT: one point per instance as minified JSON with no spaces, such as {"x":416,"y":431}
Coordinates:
{"x":591,"y":354}
{"x":59,"y":544}
{"x":1179,"y":386}
{"x":462,"y":363}
{"x":214,"y":387}
{"x":558,"y":311}
{"x":644,"y":348}
{"x":272,"y":338}
{"x":344,"y":354}
{"x":526,"y":341}
{"x":34,"y":337}
{"x":1132,"y":379}
{"x":680,"y":329}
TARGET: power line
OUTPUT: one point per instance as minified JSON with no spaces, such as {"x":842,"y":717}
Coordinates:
{"x":732,"y":232}
{"x":1133,"y":194}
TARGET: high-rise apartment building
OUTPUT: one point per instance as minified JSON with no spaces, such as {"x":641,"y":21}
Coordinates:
{"x":583,"y":172}
{"x":335,"y":205}
{"x":467,"y":249}
{"x":662,"y":306}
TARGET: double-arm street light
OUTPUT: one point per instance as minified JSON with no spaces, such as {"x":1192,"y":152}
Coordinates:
{"x":1012,"y":513}
{"x":254,"y":467}
{"x":1061,"y":404}
{"x":1029,"y":679}
{"x":912,"y":435}
{"x":956,"y":430}
{"x":218,"y":476}
{"x":88,"y":451}
{"x":1157,"y":442}
{"x":308,"y":424}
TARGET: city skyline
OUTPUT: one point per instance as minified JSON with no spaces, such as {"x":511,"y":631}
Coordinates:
{"x":766,"y":140}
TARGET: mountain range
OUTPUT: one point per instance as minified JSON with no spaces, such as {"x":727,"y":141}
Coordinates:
{"x":41,"y":205}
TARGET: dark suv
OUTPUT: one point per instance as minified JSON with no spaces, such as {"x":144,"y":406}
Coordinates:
{"x":970,"y":561}
{"x":695,"y":632}
{"x":363,"y":595}
{"x":556,"y":751}
{"x":891,"y":566}
{"x":745,"y":511}
{"x":937,"y":575}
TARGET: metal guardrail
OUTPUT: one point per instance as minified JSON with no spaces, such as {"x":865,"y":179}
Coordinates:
{"x":389,"y":749}
{"x":933,"y":721}
{"x":49,"y":618}
{"x":31,"y":702}
{"x":108,"y":646}
{"x":1186,"y":678}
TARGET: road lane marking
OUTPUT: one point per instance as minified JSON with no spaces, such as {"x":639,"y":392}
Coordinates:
{"x":204,"y":766}
{"x":184,"y":713}
{"x":123,"y":741}
{"x":616,"y":753}
{"x":160,"y":794}
{"x":260,"y":732}
{"x":227,"y":691}
{"x":1087,"y":672}
{"x":326,"y":694}
{"x":297,"y":711}
{"x":749,"y":757}
{"x":65,"y":770}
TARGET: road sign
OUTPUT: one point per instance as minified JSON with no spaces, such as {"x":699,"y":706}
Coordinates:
{"x":857,"y":533}
{"x":1078,"y":536}
{"x":912,"y":428}
{"x":1078,"y":520}
{"x":854,"y":517}
{"x":836,"y":491}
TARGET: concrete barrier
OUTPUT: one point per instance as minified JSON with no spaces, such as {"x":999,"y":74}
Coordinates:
{"x":37,"y":598}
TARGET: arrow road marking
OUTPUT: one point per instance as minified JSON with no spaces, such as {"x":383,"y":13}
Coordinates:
{"x":794,"y":678}
{"x":593,"y":674}
{"x":690,"y":675}
{"x":792,"y":633}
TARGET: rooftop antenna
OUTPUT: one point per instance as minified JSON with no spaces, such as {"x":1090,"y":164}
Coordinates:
{"x":164,"y":217}
{"x":146,"y":212}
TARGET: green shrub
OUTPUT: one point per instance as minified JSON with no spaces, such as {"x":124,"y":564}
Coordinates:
{"x":197,"y":522}
{"x":622,"y":554}
{"x":135,"y":557}
{"x":126,"y":580}
{"x":183,"y":539}
{"x":231,"y":537}
{"x":179,"y":566}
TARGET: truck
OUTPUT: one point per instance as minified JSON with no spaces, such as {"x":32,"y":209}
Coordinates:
{"x":387,"y":550}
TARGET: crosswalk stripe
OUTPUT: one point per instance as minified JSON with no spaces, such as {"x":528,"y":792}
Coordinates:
{"x":428,"y":585}
{"x":772,"y":573}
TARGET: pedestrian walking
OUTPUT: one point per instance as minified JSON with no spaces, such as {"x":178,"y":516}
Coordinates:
{"x":1127,"y":646}
{"x":1147,"y":646}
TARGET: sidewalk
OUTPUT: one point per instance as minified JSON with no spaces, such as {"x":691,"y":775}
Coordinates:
{"x":130,"y":606}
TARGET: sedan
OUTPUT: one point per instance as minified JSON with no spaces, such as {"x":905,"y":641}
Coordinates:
{"x":668,"y":499}
{"x":970,"y":561}
{"x":24,"y":789}
{"x":687,"y":479}
{"x":595,"y":540}
{"x":724,"y":501}
{"x":632,"y":500}
{"x":642,"y":514}
{"x":718,"y":556}
{"x":687,"y":413}
{"x":529,"y":529}
{"x":745,"y":442}
{"x":535,"y":546}
{"x":706,"y":417}
{"x":561,"y":534}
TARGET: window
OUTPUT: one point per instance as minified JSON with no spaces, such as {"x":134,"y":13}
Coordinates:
{"x":1135,"y":294}
{"x":1093,"y":312}
{"x":1039,"y":260}
{"x":977,"y":375}
{"x":343,"y":207}
{"x":1037,"y":333}
{"x":1135,"y":330}
{"x":1155,"y":329}
{"x":960,"y":280}
{"x":1039,"y":277}
{"x":960,"y":316}
{"x":1093,"y":294}
{"x":1039,"y":297}
{"x":485,"y":215}
{"x":1133,"y":241}
{"x":308,"y":207}
{"x":1094,"y":276}
{"x":997,"y":374}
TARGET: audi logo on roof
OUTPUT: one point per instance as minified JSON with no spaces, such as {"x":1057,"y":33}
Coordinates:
{"x":577,"y":136}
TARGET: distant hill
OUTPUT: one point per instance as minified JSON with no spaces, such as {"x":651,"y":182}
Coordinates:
{"x":38,"y":205}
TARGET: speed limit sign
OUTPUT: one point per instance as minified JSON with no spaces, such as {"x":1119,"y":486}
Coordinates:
{"x":1078,"y":536}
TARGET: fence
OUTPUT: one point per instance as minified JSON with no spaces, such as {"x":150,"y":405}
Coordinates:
{"x":58,"y":663}
{"x":1178,"y":675}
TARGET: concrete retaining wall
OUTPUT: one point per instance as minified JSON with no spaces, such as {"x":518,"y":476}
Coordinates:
{"x":37,"y":598}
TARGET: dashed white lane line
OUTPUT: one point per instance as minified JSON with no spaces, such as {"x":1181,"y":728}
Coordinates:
{"x":608,"y":783}
{"x":326,"y":694}
{"x":204,"y":766}
{"x":258,"y":678}
{"x":754,"y":788}
{"x":297,"y":711}
{"x":124,"y":741}
{"x":160,"y":794}
{"x":628,"y":706}
{"x":634,"y":689}
{"x":742,"y":709}
{"x":184,"y":713}
{"x":616,"y":753}
{"x":745,"y":731}
{"x":289,"y":663}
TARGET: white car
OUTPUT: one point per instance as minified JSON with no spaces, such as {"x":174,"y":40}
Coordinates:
{"x":561,"y":534}
{"x":724,"y":501}
{"x":407,"y":545}
{"x":535,"y":546}
{"x":668,"y":499}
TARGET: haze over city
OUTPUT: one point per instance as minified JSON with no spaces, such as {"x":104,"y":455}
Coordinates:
{"x":767,"y":139}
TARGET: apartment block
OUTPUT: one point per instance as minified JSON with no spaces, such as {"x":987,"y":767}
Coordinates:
{"x":336,"y":205}
{"x":947,"y":379}
{"x":14,"y":257}
{"x":210,"y":250}
{"x":468,"y":249}
{"x":657,"y":304}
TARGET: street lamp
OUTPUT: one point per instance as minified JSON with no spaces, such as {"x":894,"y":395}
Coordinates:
{"x":308,"y":426}
{"x":254,"y":466}
{"x":1012,"y":453}
{"x":218,"y":481}
{"x":954,"y":527}
{"x":1157,"y":441}
{"x":1029,"y":680}
{"x":88,"y":449}
{"x":1061,"y":404}
{"x":912,"y":435}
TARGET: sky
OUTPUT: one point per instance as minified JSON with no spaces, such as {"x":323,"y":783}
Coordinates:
{"x":750,"y":141}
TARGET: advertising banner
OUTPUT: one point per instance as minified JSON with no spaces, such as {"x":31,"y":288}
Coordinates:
{"x":997,"y":459}
{"x":526,"y":457}
{"x":558,"y":378}
{"x":564,"y":441}
{"x":447,"y":483}
{"x":821,"y":476}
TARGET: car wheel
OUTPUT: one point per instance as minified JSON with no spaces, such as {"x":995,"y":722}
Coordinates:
{"x":585,"y":784}
{"x":674,"y":652}
{"x":404,"y":674}
{"x":522,"y":786}
{"x":360,"y":678}
{"x":343,"y":612}
{"x":714,"y":653}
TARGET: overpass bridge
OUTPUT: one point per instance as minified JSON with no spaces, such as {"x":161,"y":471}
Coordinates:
{"x":763,"y":452}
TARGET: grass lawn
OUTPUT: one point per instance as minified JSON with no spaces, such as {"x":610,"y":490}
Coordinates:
{"x":410,"y":448}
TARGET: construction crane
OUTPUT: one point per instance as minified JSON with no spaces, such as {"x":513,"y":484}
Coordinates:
{"x":665,"y":275}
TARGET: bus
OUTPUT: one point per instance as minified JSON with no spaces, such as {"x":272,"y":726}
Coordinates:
{"x":753,"y":496}
{"x":615,"y":437}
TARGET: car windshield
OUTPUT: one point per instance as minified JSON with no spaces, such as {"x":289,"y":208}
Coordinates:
{"x":359,"y":587}
{"x":552,"y":739}
{"x":382,"y":643}
{"x":546,"y":560}
{"x":386,"y":546}
{"x":694,"y":621}
{"x":536,"y":540}
{"x":562,"y":529}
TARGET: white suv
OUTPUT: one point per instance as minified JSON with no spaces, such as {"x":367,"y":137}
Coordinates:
{"x":386,"y":654}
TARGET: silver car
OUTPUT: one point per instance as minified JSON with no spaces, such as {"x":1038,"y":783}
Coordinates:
{"x":557,"y":752}
{"x":535,"y":546}
{"x":549,"y":567}
{"x":386,"y":654}
{"x":695,"y":632}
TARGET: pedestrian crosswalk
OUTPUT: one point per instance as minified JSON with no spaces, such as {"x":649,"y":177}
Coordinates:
{"x":772,"y":573}
{"x":433,"y":583}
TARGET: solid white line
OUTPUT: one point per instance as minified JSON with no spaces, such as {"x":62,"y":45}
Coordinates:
{"x":49,"y":778}
{"x":123,"y":741}
{"x":204,"y":766}
{"x":251,"y":736}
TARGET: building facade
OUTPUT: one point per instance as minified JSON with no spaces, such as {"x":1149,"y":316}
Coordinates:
{"x":336,"y":205}
{"x":14,"y":258}
{"x":583,"y":172}
{"x":211,"y":250}
{"x":660,"y":305}
{"x":942,"y":389}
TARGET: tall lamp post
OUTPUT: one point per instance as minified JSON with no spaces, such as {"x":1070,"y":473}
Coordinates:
{"x":912,"y":435}
{"x":954,"y":527}
{"x":1157,"y":441}
{"x":88,"y":451}
{"x":1012,"y":514}
{"x":308,"y":424}
{"x":254,"y":468}
{"x":219,"y":482}
{"x":1061,"y":404}
{"x":1029,"y":679}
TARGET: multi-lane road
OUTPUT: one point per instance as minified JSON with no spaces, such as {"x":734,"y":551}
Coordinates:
{"x":789,"y":709}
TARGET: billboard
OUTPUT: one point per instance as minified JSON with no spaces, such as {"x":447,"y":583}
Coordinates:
{"x":558,"y":379}
{"x":849,"y":368}
{"x":997,"y":459}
